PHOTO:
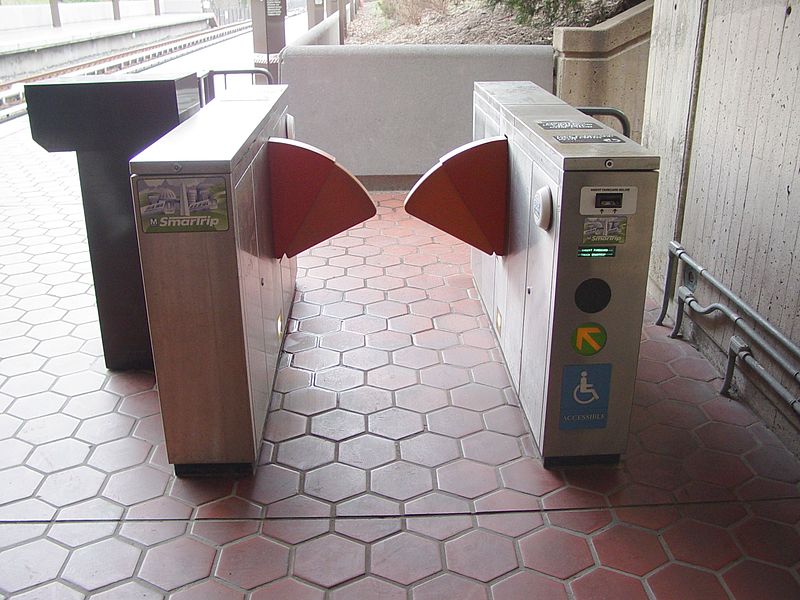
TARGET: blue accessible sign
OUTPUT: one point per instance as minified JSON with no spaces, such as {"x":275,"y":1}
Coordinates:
{"x":585,"y":390}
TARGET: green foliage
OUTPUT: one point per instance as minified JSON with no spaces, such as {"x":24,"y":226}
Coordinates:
{"x":388,"y":8}
{"x":527,"y":10}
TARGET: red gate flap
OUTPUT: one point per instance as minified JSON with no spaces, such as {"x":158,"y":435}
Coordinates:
{"x":313,"y":198}
{"x":466,"y":194}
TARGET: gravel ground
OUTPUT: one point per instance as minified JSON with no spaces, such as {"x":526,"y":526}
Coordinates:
{"x":468,"y":22}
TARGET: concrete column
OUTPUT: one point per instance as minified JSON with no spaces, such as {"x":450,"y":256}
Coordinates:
{"x":342,"y":20}
{"x":316,"y":12}
{"x":115,"y":8}
{"x":55,"y":16}
{"x":269,"y":28}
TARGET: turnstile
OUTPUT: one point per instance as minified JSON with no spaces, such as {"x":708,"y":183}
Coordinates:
{"x":566,"y":291}
{"x":224,"y":202}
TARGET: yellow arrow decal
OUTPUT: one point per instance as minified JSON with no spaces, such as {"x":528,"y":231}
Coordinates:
{"x":584,"y":334}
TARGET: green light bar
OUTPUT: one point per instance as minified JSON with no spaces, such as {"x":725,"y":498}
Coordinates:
{"x":597,"y":251}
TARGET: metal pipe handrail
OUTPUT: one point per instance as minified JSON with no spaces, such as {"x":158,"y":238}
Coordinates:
{"x":252,"y":71}
{"x":737,"y":347}
{"x":206,"y":81}
{"x":603,"y":111}
{"x":678,"y":253}
{"x":688,"y":298}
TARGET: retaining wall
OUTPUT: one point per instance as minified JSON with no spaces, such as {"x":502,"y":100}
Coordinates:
{"x":606,"y":65}
{"x":392,"y":111}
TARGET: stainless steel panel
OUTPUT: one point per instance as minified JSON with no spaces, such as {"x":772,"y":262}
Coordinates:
{"x":249,"y":284}
{"x":537,"y":323}
{"x":626,"y":274}
{"x":214,"y":139}
{"x":513,"y":266}
{"x":499,"y":94}
{"x":625,"y":155}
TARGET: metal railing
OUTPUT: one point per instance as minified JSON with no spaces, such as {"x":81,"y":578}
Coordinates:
{"x":739,"y":346}
{"x":605,"y":111}
{"x":207,"y":85}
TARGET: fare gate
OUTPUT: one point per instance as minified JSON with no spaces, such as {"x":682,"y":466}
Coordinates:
{"x":223,"y":204}
{"x":559,"y":210}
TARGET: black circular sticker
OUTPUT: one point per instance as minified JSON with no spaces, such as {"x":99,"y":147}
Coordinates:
{"x":593,"y":295}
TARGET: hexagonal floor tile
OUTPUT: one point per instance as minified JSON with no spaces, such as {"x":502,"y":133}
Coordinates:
{"x":315,"y":359}
{"x":491,"y":447}
{"x":365,"y":399}
{"x":365,"y":358}
{"x":309,"y":401}
{"x":392,"y":377}
{"x":283,"y":425}
{"x":72,"y":485}
{"x":369,"y":587}
{"x":337,"y":424}
{"x":338,"y":378}
{"x":446,"y":377}
{"x":364,"y":528}
{"x":467,"y":478}
{"x":421,"y":398}
{"x":269,"y":484}
{"x":135,"y":485}
{"x":602,"y":583}
{"x":401,"y":480}
{"x":476,"y":396}
{"x":481,"y":555}
{"x":253,"y":562}
{"x":448,"y":515}
{"x":101,"y":564}
{"x":335,"y":482}
{"x":30,"y":564}
{"x":700,"y":544}
{"x":405,"y":558}
{"x":454,"y":422}
{"x":555,"y":553}
{"x":395,"y":423}
{"x":306,"y":452}
{"x":680,"y":581}
{"x":529,"y":476}
{"x":329,"y":560}
{"x":286,"y":519}
{"x":177,"y":563}
{"x":367,"y":451}
{"x":629,"y":549}
{"x":429,"y":449}
{"x":527,"y":584}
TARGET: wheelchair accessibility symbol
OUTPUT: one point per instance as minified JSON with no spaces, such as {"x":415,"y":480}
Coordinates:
{"x":585,"y":392}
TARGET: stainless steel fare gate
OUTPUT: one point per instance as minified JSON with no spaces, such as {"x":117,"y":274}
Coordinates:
{"x":223,"y":203}
{"x":559,"y":209}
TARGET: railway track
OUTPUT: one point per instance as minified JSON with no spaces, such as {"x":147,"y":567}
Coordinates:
{"x":12,"y":92}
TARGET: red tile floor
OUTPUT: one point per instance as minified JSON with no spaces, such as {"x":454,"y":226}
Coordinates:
{"x":396,"y":463}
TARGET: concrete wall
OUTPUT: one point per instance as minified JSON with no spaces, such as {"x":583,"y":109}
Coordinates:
{"x":722,"y":110}
{"x":136,"y":8}
{"x":325,"y":33}
{"x":606,"y":65}
{"x":38,"y":15}
{"x":169,"y":7}
{"x":19,"y":16}
{"x":394,"y":110}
